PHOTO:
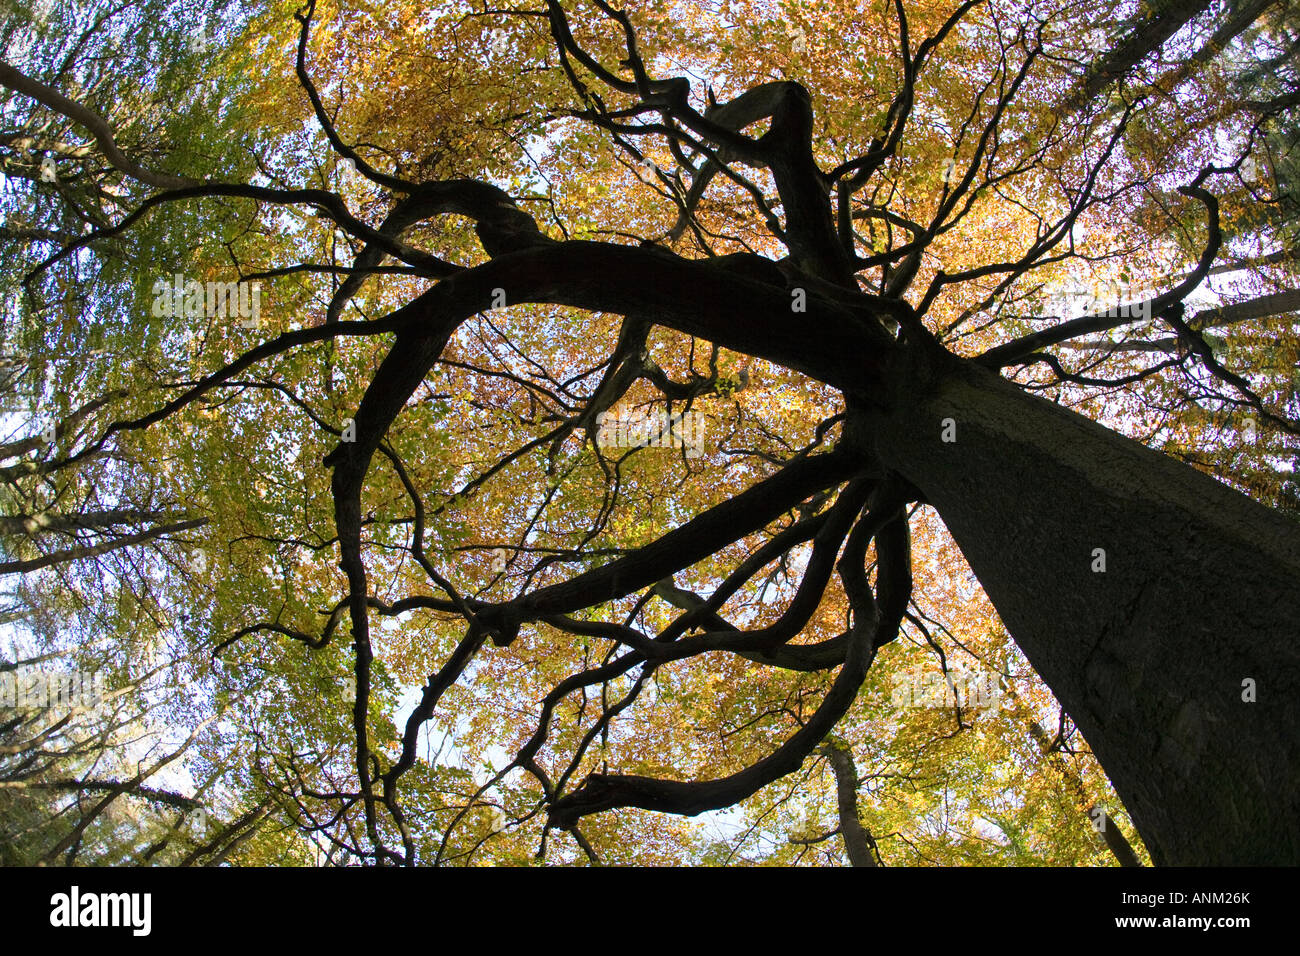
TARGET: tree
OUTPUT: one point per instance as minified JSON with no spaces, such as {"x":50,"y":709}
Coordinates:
{"x":611,"y":362}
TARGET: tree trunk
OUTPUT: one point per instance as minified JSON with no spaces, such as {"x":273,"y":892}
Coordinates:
{"x":1152,"y":657}
{"x":857,"y":839}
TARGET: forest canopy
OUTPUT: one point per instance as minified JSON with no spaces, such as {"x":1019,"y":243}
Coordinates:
{"x":563,"y":432}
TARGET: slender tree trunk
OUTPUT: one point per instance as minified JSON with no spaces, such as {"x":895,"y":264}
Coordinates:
{"x":1154,"y":657}
{"x":1114,"y":839}
{"x":857,"y":839}
{"x":1100,"y":821}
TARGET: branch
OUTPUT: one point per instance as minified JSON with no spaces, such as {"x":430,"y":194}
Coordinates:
{"x":96,"y":124}
{"x":1012,"y":353}
{"x":73,"y":554}
{"x":601,"y":791}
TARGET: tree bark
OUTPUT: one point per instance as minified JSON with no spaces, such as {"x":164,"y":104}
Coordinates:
{"x":857,"y":841}
{"x":1200,"y":594}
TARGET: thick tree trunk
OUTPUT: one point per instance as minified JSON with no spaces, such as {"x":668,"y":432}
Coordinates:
{"x":1152,"y":657}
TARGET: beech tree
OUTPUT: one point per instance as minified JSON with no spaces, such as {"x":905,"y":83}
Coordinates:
{"x":626,"y":392}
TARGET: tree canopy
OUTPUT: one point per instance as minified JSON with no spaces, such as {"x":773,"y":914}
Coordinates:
{"x":569,"y":432}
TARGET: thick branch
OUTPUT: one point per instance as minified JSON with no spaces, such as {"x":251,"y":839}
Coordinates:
{"x":92,"y":121}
